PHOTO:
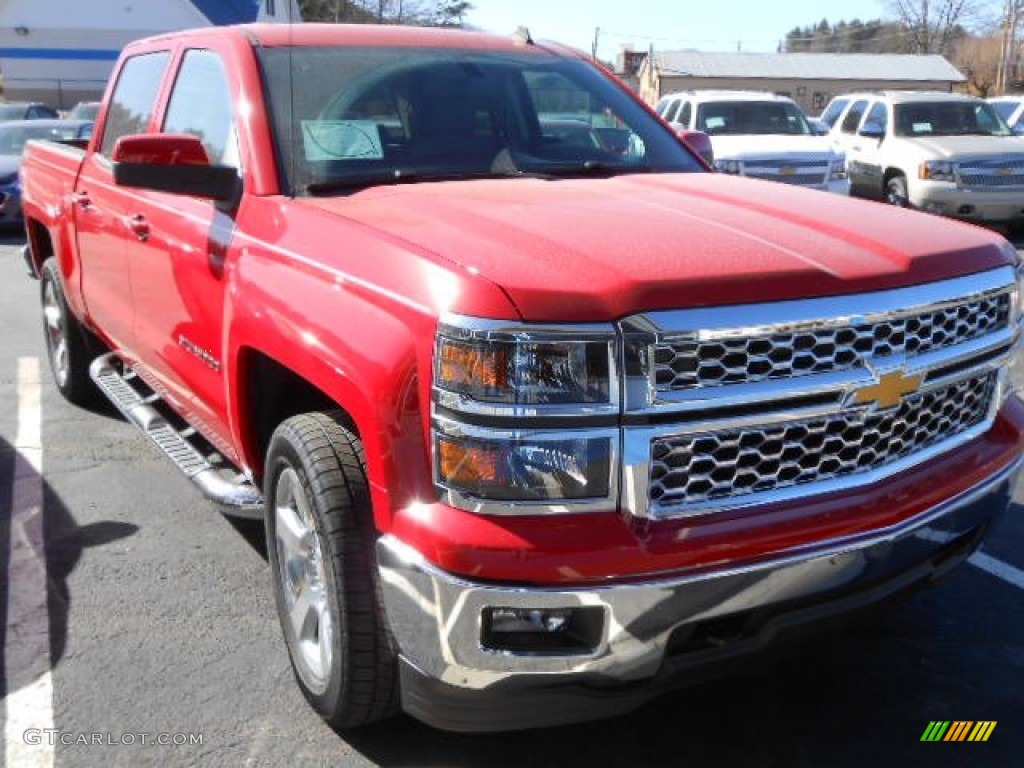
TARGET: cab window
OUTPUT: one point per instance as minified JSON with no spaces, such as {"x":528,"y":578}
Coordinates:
{"x":878,"y":117}
{"x":134,"y":97}
{"x":201,"y":105}
{"x":852,"y":119}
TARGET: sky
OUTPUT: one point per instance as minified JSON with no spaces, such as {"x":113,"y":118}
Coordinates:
{"x":707,"y":25}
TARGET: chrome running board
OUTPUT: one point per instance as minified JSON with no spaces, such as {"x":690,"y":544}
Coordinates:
{"x":216,"y":478}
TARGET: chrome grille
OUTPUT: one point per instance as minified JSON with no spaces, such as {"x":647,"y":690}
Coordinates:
{"x":1005,"y":172}
{"x":704,"y":467}
{"x":1012,"y":180}
{"x":799,"y":172}
{"x":689,"y":363}
{"x":800,"y":179}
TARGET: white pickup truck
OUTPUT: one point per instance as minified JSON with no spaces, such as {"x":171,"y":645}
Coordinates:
{"x":758,"y":134}
{"x":944,"y":153}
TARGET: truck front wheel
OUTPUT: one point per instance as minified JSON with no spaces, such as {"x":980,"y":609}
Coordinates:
{"x":320,"y":543}
{"x":67,"y":342}
{"x":896,"y":191}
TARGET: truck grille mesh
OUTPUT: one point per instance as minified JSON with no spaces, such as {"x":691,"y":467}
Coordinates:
{"x":800,"y":172}
{"x":705,"y":467}
{"x":685,"y":364}
{"x":1007,"y":172}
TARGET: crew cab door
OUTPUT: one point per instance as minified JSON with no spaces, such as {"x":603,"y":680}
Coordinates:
{"x":864,"y":158}
{"x":101,"y":209}
{"x":179,"y":255}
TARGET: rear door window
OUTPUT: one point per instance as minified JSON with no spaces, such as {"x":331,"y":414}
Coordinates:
{"x":833,"y":111}
{"x":852,"y":119}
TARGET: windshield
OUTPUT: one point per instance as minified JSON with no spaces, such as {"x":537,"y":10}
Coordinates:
{"x":751,"y":117}
{"x":948,"y":118}
{"x":364,"y":116}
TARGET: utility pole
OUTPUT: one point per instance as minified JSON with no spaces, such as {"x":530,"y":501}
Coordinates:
{"x":593,"y":48}
{"x":1007,"y":47}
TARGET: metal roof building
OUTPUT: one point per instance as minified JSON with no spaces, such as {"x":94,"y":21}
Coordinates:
{"x":811,"y":79}
{"x":62,"y":51}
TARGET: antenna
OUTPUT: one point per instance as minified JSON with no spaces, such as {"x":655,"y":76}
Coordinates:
{"x":523,"y":34}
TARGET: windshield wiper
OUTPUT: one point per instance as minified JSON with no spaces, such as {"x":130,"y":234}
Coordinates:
{"x":394,"y":176}
{"x":362,"y":180}
{"x":586,"y":168}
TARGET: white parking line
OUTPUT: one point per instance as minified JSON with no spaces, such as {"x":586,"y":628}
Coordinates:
{"x":27,"y":649}
{"x":998,"y":568}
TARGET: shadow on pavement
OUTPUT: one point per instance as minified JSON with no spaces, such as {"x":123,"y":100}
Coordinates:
{"x":61,"y":546}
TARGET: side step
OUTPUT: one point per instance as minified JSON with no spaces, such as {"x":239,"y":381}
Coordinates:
{"x":219,"y":481}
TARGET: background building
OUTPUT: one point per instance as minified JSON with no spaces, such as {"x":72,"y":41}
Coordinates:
{"x":62,"y":51}
{"x":810,"y":79}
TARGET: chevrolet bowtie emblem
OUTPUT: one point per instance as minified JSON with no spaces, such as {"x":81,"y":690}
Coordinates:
{"x":889,"y":390}
{"x":787,"y":170}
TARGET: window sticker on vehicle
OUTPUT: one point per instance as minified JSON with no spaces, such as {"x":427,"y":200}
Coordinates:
{"x":341,"y":140}
{"x":922,"y":127}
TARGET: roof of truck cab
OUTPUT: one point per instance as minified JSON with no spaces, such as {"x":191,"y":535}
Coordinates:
{"x":273,"y":35}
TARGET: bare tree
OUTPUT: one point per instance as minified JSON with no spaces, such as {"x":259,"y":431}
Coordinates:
{"x":979,"y":58}
{"x":934,"y":25}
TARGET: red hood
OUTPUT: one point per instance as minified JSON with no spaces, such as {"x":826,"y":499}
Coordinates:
{"x":599,"y":249}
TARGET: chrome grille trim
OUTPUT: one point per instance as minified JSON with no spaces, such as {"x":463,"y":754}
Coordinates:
{"x":1001,"y":172}
{"x":652,"y":415}
{"x":699,"y":362}
{"x":702,"y":469}
{"x":779,"y":169}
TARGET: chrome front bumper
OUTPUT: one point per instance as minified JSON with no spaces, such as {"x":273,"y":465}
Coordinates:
{"x":656,"y":634}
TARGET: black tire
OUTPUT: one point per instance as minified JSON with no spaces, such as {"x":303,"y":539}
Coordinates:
{"x":335,"y":586}
{"x":896,"y":191}
{"x":69,"y":346}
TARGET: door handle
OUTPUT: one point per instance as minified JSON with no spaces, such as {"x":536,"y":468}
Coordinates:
{"x":81,"y":199}
{"x":138,"y":225}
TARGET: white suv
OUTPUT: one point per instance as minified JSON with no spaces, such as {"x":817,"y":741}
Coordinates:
{"x":941,"y":152}
{"x":760,"y":135}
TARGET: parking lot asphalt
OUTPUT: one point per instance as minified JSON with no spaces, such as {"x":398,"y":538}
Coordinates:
{"x":155,"y":618}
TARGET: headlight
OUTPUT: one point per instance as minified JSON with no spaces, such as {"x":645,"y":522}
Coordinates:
{"x":524,"y":469}
{"x":937,"y":170}
{"x":523,"y":372}
{"x":838,"y":170}
{"x":729,"y":166}
{"x":525,"y":418}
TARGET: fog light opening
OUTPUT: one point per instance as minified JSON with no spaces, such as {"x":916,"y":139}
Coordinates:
{"x":965,"y":210}
{"x":576,"y":630}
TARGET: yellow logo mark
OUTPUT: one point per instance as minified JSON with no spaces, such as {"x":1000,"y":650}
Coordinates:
{"x":787,"y":170}
{"x":889,"y":390}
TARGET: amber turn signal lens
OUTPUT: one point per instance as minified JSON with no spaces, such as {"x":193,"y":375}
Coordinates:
{"x":467,"y":465}
{"x":463,"y":366}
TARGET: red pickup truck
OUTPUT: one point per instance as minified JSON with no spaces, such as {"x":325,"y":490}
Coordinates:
{"x":540,"y":422}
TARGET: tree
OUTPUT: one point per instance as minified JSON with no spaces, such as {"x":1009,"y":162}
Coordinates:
{"x":443,"y":13}
{"x":978,"y":58}
{"x":450,"y":13}
{"x":934,"y":26}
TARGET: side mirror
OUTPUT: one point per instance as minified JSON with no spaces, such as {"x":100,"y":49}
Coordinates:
{"x":699,"y":142}
{"x":175,"y":163}
{"x":872,"y":131}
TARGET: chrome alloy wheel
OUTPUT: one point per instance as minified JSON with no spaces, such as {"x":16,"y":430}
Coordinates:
{"x":303,"y":581}
{"x":56,"y":337}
